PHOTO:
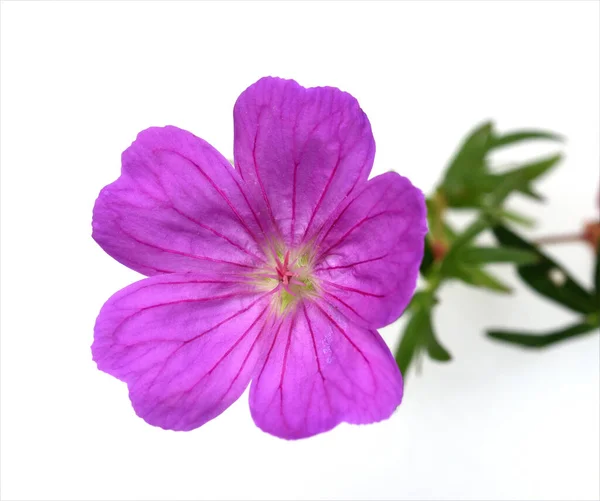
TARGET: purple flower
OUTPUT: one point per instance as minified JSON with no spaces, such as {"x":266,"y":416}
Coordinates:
{"x":276,"y":272}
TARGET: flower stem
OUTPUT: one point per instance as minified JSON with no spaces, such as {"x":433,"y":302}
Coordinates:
{"x":558,"y":239}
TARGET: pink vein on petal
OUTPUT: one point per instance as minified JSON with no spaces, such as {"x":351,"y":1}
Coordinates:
{"x":198,"y":300}
{"x":240,"y":339}
{"x":269,"y":352}
{"x":320,"y":201}
{"x":260,"y":183}
{"x":179,"y":253}
{"x":224,"y":356}
{"x":294,"y":182}
{"x":357,"y":225}
{"x":283,"y":370}
{"x":285,"y":354}
{"x":181,"y":282}
{"x":218,"y":234}
{"x":247,"y":203}
{"x":351,"y":289}
{"x":358,"y":178}
{"x":345,"y":304}
{"x":262,"y":329}
{"x":218,"y":190}
{"x":312,"y":335}
{"x":362,"y":167}
{"x":343,"y":211}
{"x":236,"y":314}
{"x":168,"y":303}
{"x":324,"y":268}
{"x":343,"y":332}
{"x":339,"y":216}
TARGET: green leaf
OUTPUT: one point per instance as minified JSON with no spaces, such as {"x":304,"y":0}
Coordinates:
{"x":524,"y":135}
{"x":519,"y":180}
{"x":474,"y":229}
{"x":504,"y":188}
{"x":499,"y":186}
{"x":419,"y":334}
{"x":536,"y":340}
{"x":597,"y":276}
{"x":498,"y":215}
{"x":471,"y":153}
{"x":452,"y":265}
{"x":546,"y":277}
{"x":468,"y":180}
{"x":485,"y":255}
{"x":517,"y":218}
{"x":468,"y":161}
{"x":449,"y":233}
{"x":434,"y":347}
{"x":528,"y":191}
{"x":410,"y":340}
{"x":480,"y":278}
{"x":531,"y":171}
{"x":427,"y":260}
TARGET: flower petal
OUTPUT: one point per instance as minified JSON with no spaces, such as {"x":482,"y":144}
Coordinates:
{"x":322,"y":370}
{"x":371,"y":253}
{"x":178,"y":206}
{"x":302,"y":150}
{"x":186,"y":345}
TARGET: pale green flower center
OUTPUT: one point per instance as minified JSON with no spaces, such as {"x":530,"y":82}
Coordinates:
{"x":290,"y":272}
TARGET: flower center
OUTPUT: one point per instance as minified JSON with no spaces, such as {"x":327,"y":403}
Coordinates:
{"x":290,"y":273}
{"x":286,"y":274}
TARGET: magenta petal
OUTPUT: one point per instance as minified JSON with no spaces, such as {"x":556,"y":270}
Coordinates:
{"x":322,"y":370}
{"x":371,"y":253}
{"x":178,"y":206}
{"x":185,"y":344}
{"x":302,"y":151}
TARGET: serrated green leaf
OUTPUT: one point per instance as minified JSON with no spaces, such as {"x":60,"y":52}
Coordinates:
{"x":524,"y":135}
{"x":480,"y":278}
{"x":486,"y":255}
{"x":537,"y":340}
{"x":546,"y":277}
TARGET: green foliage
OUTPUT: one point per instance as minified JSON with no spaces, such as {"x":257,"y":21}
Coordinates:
{"x":524,"y":135}
{"x":547,"y":277}
{"x":597,"y":277}
{"x":470,"y":183}
{"x":427,"y":261}
{"x":537,"y":340}
{"x":478,"y":277}
{"x":419,"y":334}
{"x":486,"y":255}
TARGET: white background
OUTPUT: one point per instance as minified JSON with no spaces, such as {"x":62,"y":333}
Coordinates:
{"x":80,"y":79}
